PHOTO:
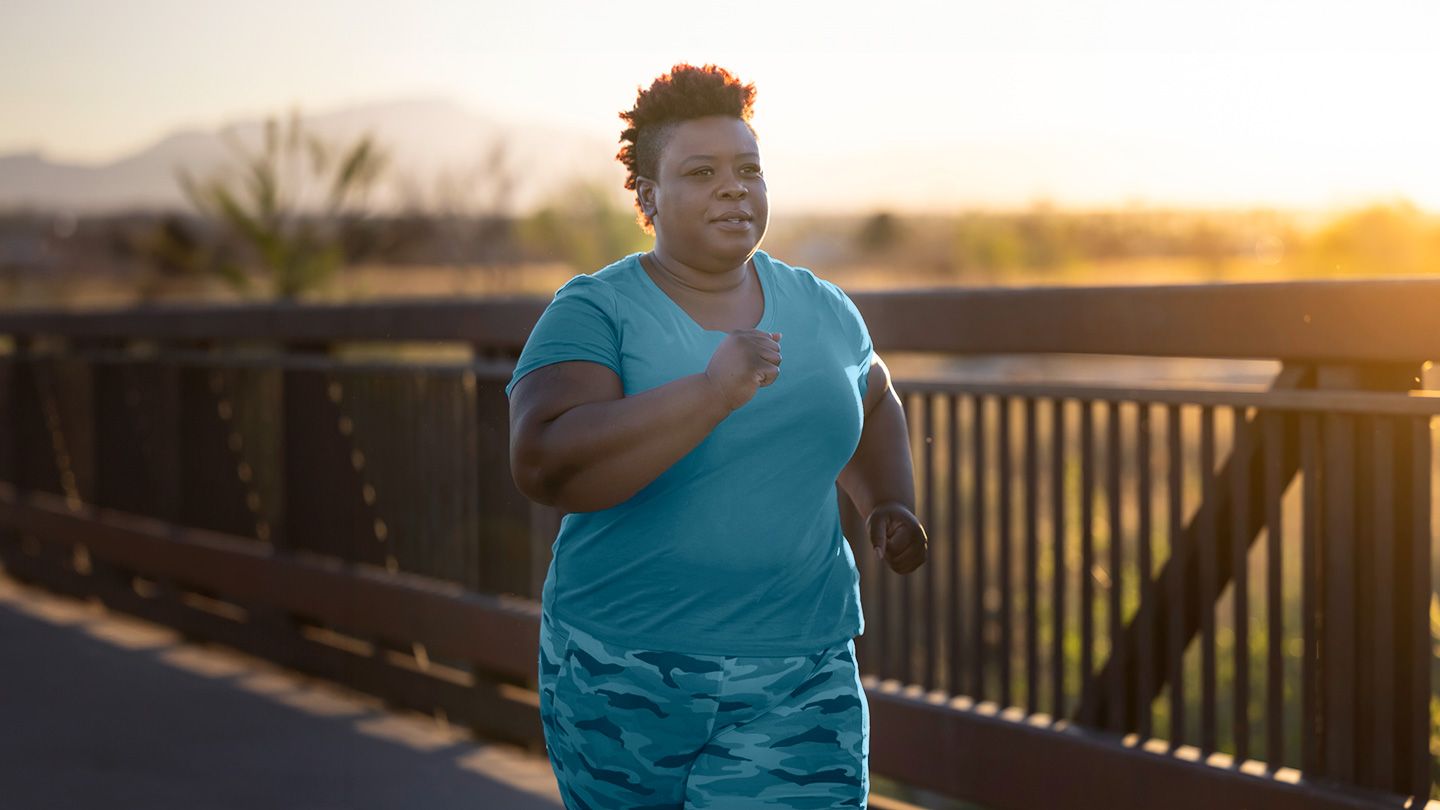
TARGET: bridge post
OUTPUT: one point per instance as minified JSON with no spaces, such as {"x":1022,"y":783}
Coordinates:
{"x":1370,"y":589}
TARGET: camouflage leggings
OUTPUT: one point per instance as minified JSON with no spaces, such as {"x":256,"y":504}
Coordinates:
{"x":645,"y":730}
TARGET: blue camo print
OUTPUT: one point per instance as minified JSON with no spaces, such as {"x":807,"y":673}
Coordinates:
{"x":647,"y":730}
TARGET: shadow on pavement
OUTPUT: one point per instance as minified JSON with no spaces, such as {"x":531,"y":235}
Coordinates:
{"x":102,"y":710}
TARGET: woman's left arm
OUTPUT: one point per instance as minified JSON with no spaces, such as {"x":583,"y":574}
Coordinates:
{"x":880,"y":477}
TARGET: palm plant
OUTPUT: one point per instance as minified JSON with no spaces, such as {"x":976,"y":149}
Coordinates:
{"x":296,"y":240}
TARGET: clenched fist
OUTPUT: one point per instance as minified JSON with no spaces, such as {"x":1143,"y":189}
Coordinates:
{"x":898,"y":537}
{"x":744,"y":362}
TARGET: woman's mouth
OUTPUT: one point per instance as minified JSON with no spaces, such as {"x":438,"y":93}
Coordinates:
{"x":733,"y":224}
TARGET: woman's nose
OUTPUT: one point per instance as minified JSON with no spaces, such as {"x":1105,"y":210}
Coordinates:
{"x":734,"y":188}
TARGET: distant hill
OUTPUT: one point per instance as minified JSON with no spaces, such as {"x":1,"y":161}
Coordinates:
{"x":425,"y":136}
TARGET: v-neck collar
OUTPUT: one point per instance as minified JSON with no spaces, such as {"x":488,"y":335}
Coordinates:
{"x":765,"y":288}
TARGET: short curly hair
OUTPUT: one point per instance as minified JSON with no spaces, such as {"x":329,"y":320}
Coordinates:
{"x":686,"y":92}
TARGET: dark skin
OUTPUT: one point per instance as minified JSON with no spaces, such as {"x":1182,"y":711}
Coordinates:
{"x":578,"y":443}
{"x":879,"y":477}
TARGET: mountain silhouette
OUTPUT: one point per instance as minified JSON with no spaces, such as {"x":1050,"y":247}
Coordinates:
{"x":424,"y":136}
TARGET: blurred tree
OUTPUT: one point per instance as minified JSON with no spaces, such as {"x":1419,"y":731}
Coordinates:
{"x":878,"y":233}
{"x":170,"y":249}
{"x":584,"y":225}
{"x":1378,"y":240}
{"x":1046,"y":237}
{"x":298,"y":242}
{"x":986,"y":246}
{"x":1207,"y":242}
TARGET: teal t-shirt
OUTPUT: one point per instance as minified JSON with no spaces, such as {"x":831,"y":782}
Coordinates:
{"x":736,"y":549}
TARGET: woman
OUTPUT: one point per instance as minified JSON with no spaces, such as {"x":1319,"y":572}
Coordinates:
{"x":698,"y":617}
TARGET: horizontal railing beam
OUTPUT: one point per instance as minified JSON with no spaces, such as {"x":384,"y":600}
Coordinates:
{"x":1311,"y":321}
{"x":499,"y":321}
{"x":1411,"y":403}
{"x":1002,"y":760}
{"x":1331,"y":320}
{"x":495,"y":633}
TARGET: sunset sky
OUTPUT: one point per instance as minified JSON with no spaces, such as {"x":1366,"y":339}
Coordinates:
{"x":912,"y":104}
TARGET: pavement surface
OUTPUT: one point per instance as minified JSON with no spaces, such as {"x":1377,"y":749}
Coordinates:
{"x":102,"y":710}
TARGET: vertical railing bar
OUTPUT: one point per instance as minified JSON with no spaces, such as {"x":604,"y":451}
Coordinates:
{"x":977,"y":508}
{"x":1087,"y":561}
{"x":931,"y":678}
{"x":22,"y":367}
{"x":1273,"y":448}
{"x":1421,"y":589}
{"x":460,"y":483}
{"x":453,"y":476}
{"x":1206,"y":548}
{"x":465,"y":486}
{"x":1004,"y":567}
{"x":1145,"y":565}
{"x":956,"y":618}
{"x":1312,"y":741}
{"x":884,"y":661}
{"x":1240,"y":579}
{"x":1338,"y":586}
{"x":1115,"y":546}
{"x":1381,"y":752}
{"x":1032,"y":564}
{"x":905,"y":584}
{"x":427,"y":406}
{"x":396,"y":401}
{"x":378,"y":393}
{"x":484,"y":517}
{"x":1362,"y":573}
{"x":1057,"y":555}
{"x":1175,"y":635}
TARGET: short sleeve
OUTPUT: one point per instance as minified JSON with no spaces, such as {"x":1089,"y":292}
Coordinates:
{"x":579,"y":324}
{"x":856,"y":335}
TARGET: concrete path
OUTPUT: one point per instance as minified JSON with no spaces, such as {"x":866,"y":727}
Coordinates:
{"x":101,"y":710}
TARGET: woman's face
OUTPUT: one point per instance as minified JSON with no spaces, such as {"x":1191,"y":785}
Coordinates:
{"x":709,"y":168}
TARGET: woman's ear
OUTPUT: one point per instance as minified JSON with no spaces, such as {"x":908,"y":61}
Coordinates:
{"x":645,"y":187}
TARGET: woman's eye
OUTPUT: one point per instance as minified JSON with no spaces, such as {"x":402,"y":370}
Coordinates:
{"x":755,"y":169}
{"x":701,"y":169}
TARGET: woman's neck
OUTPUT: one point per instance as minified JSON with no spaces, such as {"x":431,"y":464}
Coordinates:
{"x":694,"y":281}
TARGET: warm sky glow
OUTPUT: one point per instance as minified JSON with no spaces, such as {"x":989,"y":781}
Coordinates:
{"x":901,"y":103}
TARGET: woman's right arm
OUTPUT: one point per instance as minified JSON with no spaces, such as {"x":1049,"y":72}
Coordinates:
{"x":579,"y":444}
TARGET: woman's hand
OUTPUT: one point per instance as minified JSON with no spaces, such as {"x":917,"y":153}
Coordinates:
{"x":744,"y":362}
{"x":898,"y":537}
